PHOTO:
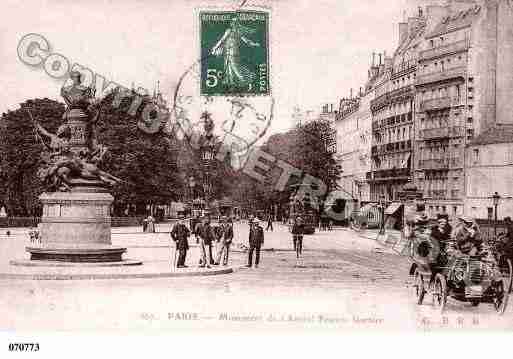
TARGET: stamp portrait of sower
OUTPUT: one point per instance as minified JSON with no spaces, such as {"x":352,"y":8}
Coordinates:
{"x":234,"y":53}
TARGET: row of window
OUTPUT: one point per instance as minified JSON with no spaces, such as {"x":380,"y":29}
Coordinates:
{"x":393,"y":135}
{"x":392,"y":110}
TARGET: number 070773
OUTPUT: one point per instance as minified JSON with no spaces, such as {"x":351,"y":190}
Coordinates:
{"x":23,"y":347}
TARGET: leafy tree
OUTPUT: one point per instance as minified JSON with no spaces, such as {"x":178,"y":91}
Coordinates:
{"x":307,"y":148}
{"x":146,"y":162}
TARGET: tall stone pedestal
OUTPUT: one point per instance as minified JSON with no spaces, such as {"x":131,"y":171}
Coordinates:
{"x":75,"y":227}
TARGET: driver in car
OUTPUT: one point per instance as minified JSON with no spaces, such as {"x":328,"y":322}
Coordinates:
{"x":468,"y":237}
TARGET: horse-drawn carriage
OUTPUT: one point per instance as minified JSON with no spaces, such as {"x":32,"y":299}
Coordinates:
{"x":468,"y":278}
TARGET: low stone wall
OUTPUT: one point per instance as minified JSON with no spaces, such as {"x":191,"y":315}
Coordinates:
{"x":17,"y":222}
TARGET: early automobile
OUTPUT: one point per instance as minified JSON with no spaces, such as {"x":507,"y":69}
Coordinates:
{"x":467,"y":278}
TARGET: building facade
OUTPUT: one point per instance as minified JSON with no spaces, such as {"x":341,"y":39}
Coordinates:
{"x":457,"y":96}
{"x":393,"y":115}
{"x":489,"y":169}
{"x":444,"y":101}
{"x":448,"y":82}
{"x":353,"y":127}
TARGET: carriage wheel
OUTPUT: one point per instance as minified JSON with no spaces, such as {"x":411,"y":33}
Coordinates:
{"x":500,"y":302}
{"x":508,"y":275}
{"x":440,"y":292}
{"x":420,"y":290}
{"x":503,"y":288}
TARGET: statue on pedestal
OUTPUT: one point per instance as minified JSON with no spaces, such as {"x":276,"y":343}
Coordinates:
{"x":73,"y":155}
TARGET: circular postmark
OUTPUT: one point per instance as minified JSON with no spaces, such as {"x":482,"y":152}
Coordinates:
{"x":238,"y":121}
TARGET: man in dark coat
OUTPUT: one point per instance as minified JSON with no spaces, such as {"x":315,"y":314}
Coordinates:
{"x":180,"y":233}
{"x":256,"y":240}
{"x":206,"y":235}
{"x":298,"y":230}
{"x":269,"y":222}
{"x":442,"y":233}
{"x":468,"y":236}
{"x":225,"y":241}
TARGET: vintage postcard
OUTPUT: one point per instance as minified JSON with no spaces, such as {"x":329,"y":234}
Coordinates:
{"x":255,"y":167}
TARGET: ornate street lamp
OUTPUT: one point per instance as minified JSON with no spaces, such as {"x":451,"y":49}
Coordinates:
{"x":207,"y":155}
{"x":495,"y":200}
{"x":192,"y":184}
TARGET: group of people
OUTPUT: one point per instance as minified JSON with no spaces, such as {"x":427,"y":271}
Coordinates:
{"x":208,"y":236}
{"x":148,"y":224}
{"x":465,"y":238}
{"x":215,"y":241}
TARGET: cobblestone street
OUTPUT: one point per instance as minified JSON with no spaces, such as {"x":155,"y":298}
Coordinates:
{"x":342,"y":280}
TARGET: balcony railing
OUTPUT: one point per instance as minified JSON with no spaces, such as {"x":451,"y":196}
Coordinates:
{"x":438,"y":194}
{"x":441,"y":132}
{"x":391,"y":147}
{"x":453,"y":48}
{"x":395,"y":173}
{"x":399,"y":94}
{"x":444,"y":75}
{"x":440,"y":163}
{"x":439,"y":103}
{"x":442,"y":194}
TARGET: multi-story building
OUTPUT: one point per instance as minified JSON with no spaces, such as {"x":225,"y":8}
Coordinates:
{"x":455,"y":98}
{"x":353,"y":126}
{"x":489,"y":156}
{"x":392,"y":114}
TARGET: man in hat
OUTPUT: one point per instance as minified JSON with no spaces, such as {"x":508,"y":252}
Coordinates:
{"x":442,"y":232}
{"x":180,"y":233}
{"x":206,"y":235}
{"x":509,"y":230}
{"x":269,"y":222}
{"x":468,"y":236}
{"x":225,"y":240}
{"x":298,"y":230}
{"x":256,"y":240}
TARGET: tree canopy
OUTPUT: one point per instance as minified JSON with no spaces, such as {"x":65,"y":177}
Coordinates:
{"x":306,"y":147}
{"x":146,"y":162}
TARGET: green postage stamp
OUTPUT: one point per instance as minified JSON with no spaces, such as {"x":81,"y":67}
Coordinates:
{"x":234,"y":53}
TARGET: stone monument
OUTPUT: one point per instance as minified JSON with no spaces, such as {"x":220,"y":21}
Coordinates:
{"x":76,"y":224}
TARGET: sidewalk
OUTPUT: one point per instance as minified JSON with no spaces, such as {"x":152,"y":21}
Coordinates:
{"x":385,"y":241}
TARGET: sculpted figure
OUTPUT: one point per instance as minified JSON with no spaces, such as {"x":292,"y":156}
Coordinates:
{"x":77,"y":96}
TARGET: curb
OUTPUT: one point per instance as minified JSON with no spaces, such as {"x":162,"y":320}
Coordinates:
{"x":114,"y":276}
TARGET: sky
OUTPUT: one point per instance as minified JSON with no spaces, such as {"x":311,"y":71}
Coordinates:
{"x":319,"y":49}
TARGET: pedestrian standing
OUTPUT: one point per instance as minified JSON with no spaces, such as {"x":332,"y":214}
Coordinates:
{"x":206,"y":235}
{"x":269,"y":222}
{"x":145,"y":224}
{"x":226,"y":241}
{"x":32,"y":235}
{"x":180,"y":234}
{"x":151,"y":224}
{"x":298,"y":230}
{"x":256,"y":240}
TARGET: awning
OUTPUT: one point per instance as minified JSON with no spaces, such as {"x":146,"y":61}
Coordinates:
{"x":393,"y":208}
{"x":367,"y":207}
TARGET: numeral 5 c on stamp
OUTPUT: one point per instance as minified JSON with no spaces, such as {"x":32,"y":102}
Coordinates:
{"x":234,"y":53}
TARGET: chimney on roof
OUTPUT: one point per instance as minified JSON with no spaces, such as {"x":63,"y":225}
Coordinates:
{"x":361,"y":92}
{"x":351,"y":93}
{"x":373,"y":59}
{"x":380,"y":59}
